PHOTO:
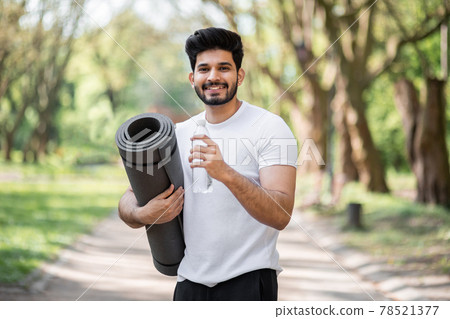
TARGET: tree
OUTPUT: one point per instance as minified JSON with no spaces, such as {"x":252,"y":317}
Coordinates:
{"x":274,"y":24}
{"x":424,"y":123}
{"x":363,"y":45}
{"x":294,"y":24}
{"x":17,"y":53}
{"x":355,"y":22}
{"x":426,"y":146}
{"x":351,"y":30}
{"x":43,"y":38}
{"x":117,"y":69}
{"x":56,"y":50}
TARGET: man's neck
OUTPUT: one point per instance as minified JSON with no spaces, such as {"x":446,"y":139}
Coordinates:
{"x":220,"y":113}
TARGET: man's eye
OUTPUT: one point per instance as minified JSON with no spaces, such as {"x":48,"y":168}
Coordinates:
{"x":202,"y":69}
{"x":224,"y":68}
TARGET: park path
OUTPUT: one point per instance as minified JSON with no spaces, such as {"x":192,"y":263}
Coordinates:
{"x":114,"y":263}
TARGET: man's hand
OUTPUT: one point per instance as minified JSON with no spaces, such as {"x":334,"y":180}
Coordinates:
{"x":270,"y":203}
{"x":161,"y":209}
{"x":211,"y":157}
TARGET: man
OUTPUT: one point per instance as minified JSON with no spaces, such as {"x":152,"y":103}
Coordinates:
{"x":231,"y":233}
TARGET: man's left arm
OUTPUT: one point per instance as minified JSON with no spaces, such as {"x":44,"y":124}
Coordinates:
{"x":270,"y":203}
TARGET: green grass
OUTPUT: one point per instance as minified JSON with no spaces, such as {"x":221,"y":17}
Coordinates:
{"x":44,"y":208}
{"x":396,"y":229}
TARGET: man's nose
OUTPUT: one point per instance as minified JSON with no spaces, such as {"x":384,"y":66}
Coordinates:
{"x":213,"y":75}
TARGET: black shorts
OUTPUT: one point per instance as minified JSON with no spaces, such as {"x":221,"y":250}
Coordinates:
{"x":258,"y":285}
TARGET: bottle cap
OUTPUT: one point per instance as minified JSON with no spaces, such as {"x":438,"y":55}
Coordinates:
{"x":201,"y":122}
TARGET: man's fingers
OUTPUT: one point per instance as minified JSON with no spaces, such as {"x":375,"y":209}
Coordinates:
{"x":204,"y":138}
{"x":172,"y":206}
{"x":179,"y":203}
{"x":204,"y":149}
{"x":175,"y":196}
{"x":197,"y":156}
{"x":179,"y":207}
{"x":174,"y":209}
{"x":179,"y":194}
{"x":166,"y":193}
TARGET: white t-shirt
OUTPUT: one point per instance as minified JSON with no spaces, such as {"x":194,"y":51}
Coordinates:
{"x":222,"y":240}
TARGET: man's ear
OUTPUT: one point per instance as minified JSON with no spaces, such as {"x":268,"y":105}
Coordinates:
{"x":241,"y":76}
{"x":191,"y":79}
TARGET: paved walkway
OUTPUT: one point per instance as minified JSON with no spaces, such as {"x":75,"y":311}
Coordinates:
{"x":114,"y":263}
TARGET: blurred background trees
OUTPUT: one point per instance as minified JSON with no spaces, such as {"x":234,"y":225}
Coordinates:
{"x":366,"y":80}
{"x":36,"y":47}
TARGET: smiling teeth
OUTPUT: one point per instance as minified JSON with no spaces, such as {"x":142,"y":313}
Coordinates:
{"x":216,"y":87}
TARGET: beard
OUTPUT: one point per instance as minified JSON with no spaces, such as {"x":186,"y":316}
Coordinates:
{"x":216,"y":100}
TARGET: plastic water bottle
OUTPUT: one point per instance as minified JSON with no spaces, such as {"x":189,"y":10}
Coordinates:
{"x":202,"y":182}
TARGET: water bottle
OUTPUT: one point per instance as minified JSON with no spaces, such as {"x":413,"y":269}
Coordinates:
{"x":202,"y":182}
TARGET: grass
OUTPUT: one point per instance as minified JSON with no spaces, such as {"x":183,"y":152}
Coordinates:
{"x":396,"y":229}
{"x":45,"y":208}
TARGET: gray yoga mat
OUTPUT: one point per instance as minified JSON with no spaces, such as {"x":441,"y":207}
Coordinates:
{"x":148,"y":147}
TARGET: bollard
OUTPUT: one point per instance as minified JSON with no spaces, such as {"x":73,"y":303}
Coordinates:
{"x":354,"y":215}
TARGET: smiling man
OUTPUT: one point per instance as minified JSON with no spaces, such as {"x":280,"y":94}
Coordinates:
{"x":230,"y":233}
{"x":218,"y":58}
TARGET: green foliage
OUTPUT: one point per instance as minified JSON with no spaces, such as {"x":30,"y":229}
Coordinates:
{"x":46,"y":208}
{"x":35,"y":53}
{"x":385,"y":124}
{"x":414,"y":62}
{"x":104,"y":85}
{"x":110,"y":77}
{"x":100,"y":69}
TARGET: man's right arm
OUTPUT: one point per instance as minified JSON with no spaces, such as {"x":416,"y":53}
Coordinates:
{"x":161,"y":209}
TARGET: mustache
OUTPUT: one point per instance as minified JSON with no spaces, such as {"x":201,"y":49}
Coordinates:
{"x":207,"y":85}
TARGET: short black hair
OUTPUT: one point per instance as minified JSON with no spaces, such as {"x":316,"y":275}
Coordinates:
{"x":214,"y":38}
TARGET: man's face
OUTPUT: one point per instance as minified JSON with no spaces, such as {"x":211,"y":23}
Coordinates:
{"x":215,"y":78}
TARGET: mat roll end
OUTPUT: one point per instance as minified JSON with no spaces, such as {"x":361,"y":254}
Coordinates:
{"x":168,"y":270}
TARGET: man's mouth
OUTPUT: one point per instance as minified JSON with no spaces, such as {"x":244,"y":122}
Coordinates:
{"x":213,"y":87}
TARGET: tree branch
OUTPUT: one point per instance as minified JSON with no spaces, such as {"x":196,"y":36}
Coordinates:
{"x":228,"y":10}
{"x":369,"y":38}
{"x":332,"y":25}
{"x":285,"y":23}
{"x":394,"y":45}
{"x":277,"y":80}
{"x":423,"y":60}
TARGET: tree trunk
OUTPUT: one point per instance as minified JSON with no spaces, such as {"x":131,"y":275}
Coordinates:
{"x":347,"y":171}
{"x":41,"y":134}
{"x":435,"y":187}
{"x":364,"y":154}
{"x":319,"y":119}
{"x":9,"y":138}
{"x":314,"y":124}
{"x":112,"y":94}
{"x":408,"y":105}
{"x":425,"y":142}
{"x":10,"y":131}
{"x":348,"y":168}
{"x":42,"y":138}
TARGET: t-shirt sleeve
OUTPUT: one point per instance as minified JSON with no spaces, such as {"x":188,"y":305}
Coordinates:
{"x":276,"y":144}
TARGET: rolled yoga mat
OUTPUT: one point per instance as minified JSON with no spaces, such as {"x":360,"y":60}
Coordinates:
{"x":148,"y":147}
